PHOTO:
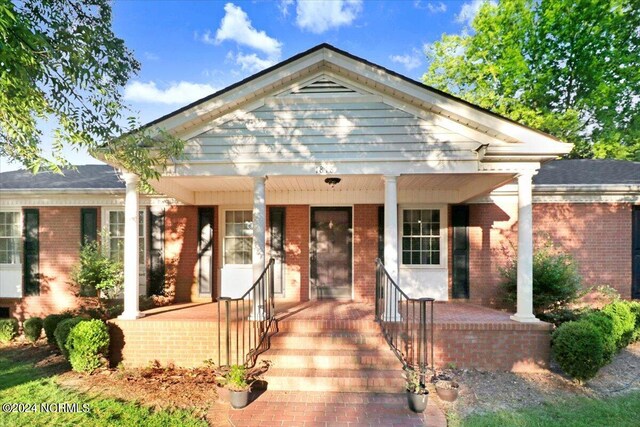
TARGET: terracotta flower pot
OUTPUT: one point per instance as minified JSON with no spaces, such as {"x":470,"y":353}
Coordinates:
{"x":417,"y":402}
{"x":447,"y":390}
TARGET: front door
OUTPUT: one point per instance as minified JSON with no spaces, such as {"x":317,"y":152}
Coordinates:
{"x":331,"y":239}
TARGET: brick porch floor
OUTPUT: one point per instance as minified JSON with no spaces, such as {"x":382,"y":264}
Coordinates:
{"x":290,"y":409}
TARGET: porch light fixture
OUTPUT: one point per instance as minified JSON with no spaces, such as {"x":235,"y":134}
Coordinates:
{"x":333,"y":181}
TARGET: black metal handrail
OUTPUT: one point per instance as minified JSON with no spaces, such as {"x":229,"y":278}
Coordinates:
{"x":248,"y":320}
{"x":406,"y":323}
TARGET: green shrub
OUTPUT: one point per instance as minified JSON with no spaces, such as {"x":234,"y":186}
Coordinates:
{"x":604,"y":324}
{"x":634,"y":306}
{"x":556,"y":281}
{"x":62,"y":333}
{"x":8,"y":329}
{"x":624,"y":322}
{"x":51,"y":322}
{"x":97,"y":272}
{"x":562,"y":315}
{"x":32,"y":328}
{"x":87,"y":343}
{"x":578,"y":349}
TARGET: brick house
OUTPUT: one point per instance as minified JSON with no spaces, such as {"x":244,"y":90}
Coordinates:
{"x":325,"y":162}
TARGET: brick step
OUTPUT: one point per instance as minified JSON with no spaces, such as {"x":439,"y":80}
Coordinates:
{"x":312,"y":325}
{"x":336,"y":340}
{"x":349,"y":380}
{"x":333,"y":359}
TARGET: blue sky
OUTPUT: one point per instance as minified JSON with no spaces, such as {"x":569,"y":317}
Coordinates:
{"x":189,"y":49}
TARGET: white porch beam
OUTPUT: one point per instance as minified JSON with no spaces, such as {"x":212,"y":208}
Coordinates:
{"x":131,"y":249}
{"x":524,"y":309}
{"x":391,"y":240}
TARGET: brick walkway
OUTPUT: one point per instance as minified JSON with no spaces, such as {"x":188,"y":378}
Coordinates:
{"x":290,"y":409}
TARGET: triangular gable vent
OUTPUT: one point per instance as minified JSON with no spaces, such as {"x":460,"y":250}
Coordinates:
{"x":323,"y":86}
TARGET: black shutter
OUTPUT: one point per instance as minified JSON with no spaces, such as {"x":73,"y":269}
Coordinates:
{"x":156,"y":251}
{"x":31,"y":252}
{"x":460,"y":224}
{"x":381,"y":233}
{"x":205,"y":251}
{"x":635,"y":253}
{"x":88,"y":225}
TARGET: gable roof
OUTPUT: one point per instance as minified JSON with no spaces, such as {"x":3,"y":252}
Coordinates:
{"x":85,"y":177}
{"x":355,"y":58}
{"x":504,"y":139}
{"x":588,"y":172}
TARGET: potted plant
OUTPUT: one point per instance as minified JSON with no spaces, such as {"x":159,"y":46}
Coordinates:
{"x":417,"y":393}
{"x":239,"y":386}
{"x":447,"y":390}
{"x":238,"y":379}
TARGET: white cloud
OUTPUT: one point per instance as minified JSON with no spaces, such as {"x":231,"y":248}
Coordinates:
{"x":237,"y":27}
{"x":433,"y":7}
{"x":175,"y":93}
{"x":283,"y":5}
{"x":318,"y":16}
{"x":410,"y":60}
{"x":252,"y":62}
{"x":469,"y":11}
{"x":151,"y":56}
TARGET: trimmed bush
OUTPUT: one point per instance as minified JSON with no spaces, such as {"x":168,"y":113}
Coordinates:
{"x":624,"y":322}
{"x":564,"y":314}
{"x":87,"y":343}
{"x":8,"y":329}
{"x":556,"y":281}
{"x":62,"y":333}
{"x":578,"y":349}
{"x":32,"y":328}
{"x":604,"y":324}
{"x":634,"y":306}
{"x":50,"y":324}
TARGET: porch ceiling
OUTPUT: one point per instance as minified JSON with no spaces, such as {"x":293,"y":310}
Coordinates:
{"x":347,"y":183}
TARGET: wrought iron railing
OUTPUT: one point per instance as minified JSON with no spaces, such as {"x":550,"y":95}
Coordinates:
{"x":247,"y":322}
{"x":407,"y":323}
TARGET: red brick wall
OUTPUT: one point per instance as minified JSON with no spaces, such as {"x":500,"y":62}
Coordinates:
{"x":59,"y":250}
{"x":181,"y":247}
{"x":297,"y":252}
{"x":597,"y":235}
{"x":514,"y":347}
{"x":365,"y":251}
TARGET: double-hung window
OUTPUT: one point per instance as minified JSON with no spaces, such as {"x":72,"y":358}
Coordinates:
{"x":10,"y":237}
{"x":421,"y":237}
{"x":238,"y":237}
{"x":116,"y":236}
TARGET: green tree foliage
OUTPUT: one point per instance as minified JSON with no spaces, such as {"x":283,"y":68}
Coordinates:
{"x":567,"y":67}
{"x":61,"y":61}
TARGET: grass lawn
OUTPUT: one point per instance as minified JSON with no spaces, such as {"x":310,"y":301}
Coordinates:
{"x":23,"y":383}
{"x":618,"y":411}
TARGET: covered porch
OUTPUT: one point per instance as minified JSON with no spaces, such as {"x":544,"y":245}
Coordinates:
{"x":465,"y":336}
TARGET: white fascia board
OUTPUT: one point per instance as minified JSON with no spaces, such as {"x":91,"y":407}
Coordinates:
{"x":448,"y":107}
{"x":256,"y":88}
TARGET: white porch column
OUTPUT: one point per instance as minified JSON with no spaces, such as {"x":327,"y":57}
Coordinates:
{"x":391,"y":240}
{"x":259,"y":246}
{"x":524,"y":311}
{"x":131,"y":263}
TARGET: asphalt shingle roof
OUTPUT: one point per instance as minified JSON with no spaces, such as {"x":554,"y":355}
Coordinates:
{"x":588,"y":172}
{"x":88,"y":177}
{"x":558,"y":172}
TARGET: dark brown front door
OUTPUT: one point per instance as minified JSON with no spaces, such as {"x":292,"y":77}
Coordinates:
{"x":331,"y":237}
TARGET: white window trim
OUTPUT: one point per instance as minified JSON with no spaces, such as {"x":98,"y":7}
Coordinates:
{"x":443,"y":235}
{"x":223,"y":223}
{"x":104,"y":225}
{"x":5,"y":266}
